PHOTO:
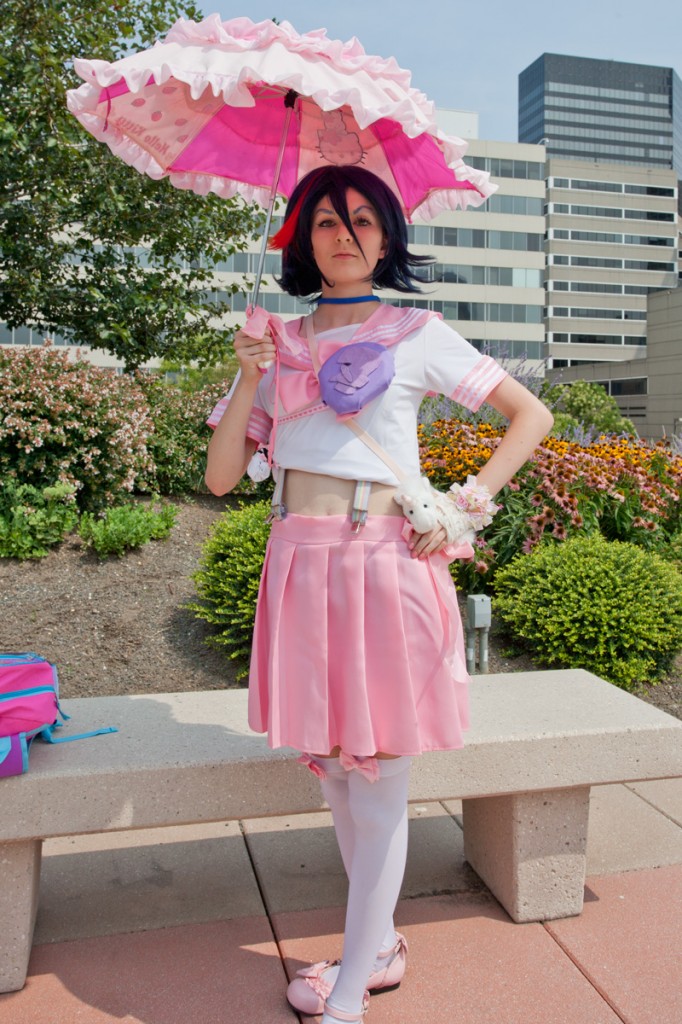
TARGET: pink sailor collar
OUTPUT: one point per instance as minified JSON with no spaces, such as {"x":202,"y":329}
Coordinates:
{"x":387,"y":325}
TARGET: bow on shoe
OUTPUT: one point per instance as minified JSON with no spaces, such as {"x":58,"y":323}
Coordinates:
{"x":313,"y":976}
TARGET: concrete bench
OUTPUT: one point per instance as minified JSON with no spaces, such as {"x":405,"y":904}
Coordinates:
{"x":538,"y":742}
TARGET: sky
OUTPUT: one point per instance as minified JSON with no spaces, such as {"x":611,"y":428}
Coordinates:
{"x":468,"y":56}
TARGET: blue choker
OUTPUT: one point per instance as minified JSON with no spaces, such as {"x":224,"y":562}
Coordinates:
{"x":345,"y":302}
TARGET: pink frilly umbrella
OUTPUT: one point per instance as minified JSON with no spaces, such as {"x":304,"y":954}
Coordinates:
{"x":242,"y":108}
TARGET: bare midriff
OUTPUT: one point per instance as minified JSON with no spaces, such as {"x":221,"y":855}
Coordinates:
{"x":314,"y":494}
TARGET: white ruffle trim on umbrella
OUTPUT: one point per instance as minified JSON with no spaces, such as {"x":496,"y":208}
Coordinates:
{"x":244,"y":34}
{"x":331,"y":73}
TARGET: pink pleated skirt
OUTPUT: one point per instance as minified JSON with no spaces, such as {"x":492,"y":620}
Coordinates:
{"x":356,"y":643}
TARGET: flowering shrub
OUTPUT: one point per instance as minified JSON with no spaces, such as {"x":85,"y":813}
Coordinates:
{"x":620,"y":487}
{"x":179,"y":436}
{"x":604,"y":606}
{"x":449,"y":450}
{"x":71,"y":423}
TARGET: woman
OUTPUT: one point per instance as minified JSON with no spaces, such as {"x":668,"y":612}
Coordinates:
{"x":358,"y":657}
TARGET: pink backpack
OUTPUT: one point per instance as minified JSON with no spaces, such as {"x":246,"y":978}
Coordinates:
{"x":29,"y":707}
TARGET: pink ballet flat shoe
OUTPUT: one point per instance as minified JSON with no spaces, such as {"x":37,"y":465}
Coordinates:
{"x":310,"y":989}
{"x":353,"y":1018}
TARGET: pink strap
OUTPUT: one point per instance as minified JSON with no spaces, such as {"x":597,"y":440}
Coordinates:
{"x":312,"y":343}
{"x":257,"y":320}
{"x":342,"y":1015}
{"x":376,"y":448}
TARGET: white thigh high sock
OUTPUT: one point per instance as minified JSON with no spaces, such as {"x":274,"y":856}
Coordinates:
{"x":335,"y":791}
{"x":378,"y":811}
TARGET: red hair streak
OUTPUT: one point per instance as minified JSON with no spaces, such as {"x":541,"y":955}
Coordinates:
{"x":285,"y":235}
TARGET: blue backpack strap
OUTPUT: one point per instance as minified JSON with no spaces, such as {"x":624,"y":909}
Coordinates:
{"x":47,"y":734}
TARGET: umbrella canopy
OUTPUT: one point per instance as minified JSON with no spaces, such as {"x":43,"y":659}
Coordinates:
{"x":242,"y":108}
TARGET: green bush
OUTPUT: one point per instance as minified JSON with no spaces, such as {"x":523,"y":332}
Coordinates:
{"x":587,"y":404}
{"x":34,"y":520}
{"x":228,"y":576}
{"x":126,"y":527}
{"x":671,"y":550}
{"x":71,"y":423}
{"x":605,"y":606}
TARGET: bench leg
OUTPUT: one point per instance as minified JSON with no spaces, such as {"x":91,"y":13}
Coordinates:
{"x":19,"y":883}
{"x":529,"y":849}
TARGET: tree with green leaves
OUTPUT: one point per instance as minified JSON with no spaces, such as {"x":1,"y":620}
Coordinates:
{"x":88,"y":246}
{"x":587,"y":403}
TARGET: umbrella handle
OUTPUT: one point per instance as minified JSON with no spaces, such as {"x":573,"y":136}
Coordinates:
{"x":256,"y":323}
{"x":289,"y":103}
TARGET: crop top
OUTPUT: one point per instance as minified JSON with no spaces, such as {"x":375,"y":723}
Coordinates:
{"x":430,"y":357}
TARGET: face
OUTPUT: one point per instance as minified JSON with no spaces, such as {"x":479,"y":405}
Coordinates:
{"x":336,"y":253}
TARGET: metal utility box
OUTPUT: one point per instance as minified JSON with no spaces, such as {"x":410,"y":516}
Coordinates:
{"x":479,"y":611}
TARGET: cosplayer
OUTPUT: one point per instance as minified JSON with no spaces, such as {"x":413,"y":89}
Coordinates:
{"x":358,"y":658}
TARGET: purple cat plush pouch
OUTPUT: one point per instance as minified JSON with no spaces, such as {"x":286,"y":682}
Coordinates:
{"x":354,"y":375}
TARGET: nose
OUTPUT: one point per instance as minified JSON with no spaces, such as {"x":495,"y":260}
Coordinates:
{"x":342,"y":233}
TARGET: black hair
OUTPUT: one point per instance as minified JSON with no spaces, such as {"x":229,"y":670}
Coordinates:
{"x":300,"y":275}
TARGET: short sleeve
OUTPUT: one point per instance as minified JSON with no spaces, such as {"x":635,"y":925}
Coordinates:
{"x":453,"y":367}
{"x":260,"y":422}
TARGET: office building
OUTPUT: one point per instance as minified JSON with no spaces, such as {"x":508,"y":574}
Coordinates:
{"x":647,"y":390}
{"x":605,"y":110}
{"x":488,"y":277}
{"x":613,"y":137}
{"x":612,"y":240}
